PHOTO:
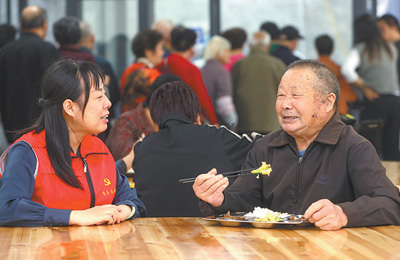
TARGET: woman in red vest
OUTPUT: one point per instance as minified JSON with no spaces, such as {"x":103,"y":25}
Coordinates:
{"x":58,"y":172}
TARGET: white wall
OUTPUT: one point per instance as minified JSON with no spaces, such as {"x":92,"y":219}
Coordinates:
{"x":310,"y":17}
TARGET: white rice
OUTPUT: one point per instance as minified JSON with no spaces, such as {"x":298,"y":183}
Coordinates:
{"x":259,"y":212}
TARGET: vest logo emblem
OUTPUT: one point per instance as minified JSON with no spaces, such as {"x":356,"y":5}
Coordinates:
{"x":106,"y":182}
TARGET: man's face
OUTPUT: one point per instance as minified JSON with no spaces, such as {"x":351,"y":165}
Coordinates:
{"x":301,"y":110}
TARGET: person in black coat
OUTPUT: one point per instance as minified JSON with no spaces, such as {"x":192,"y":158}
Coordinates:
{"x":22,"y":63}
{"x":288,"y":40}
{"x":182,"y":148}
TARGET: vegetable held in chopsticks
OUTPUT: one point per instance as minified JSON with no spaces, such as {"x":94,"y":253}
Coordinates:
{"x":265,"y":169}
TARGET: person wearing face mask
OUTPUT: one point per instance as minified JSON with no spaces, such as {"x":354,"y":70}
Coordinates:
{"x":136,"y":80}
{"x":58,"y":172}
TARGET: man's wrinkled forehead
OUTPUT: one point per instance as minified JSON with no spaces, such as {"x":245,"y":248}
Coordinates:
{"x":298,"y":79}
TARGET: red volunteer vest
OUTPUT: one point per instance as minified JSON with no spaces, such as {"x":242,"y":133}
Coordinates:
{"x":99,"y":181}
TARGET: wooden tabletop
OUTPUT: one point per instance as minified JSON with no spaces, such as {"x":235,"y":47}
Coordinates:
{"x":194,"y":238}
{"x":392,"y":171}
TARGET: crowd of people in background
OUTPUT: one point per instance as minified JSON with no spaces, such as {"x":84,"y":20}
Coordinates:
{"x":192,"y":119}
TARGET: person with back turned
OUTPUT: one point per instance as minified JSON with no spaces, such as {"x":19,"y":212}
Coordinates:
{"x":22,"y":63}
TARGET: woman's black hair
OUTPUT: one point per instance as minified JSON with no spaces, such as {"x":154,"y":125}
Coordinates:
{"x":64,"y":79}
{"x":145,"y":40}
{"x":236,"y":36}
{"x":367,"y":31}
{"x":182,"y":39}
{"x":390,"y":20}
{"x":174,"y":97}
{"x":272,"y":29}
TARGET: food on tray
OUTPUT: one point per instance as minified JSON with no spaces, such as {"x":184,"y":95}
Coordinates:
{"x":265,"y":169}
{"x":259,"y":218}
{"x":228,"y":216}
{"x":267,"y":215}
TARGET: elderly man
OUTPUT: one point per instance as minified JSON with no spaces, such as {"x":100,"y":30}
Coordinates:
{"x":22,"y":64}
{"x":255,"y":79}
{"x":320,"y":167}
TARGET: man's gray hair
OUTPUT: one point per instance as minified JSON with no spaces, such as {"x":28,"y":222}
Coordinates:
{"x":327,"y":82}
{"x":260,"y":39}
{"x":86,"y":31}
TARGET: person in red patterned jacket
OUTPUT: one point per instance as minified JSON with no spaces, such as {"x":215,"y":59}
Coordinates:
{"x":137,"y":78}
{"x":58,"y":172}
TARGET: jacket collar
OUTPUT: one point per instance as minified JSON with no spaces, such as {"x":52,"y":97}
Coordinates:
{"x":174,"y":118}
{"x":30,"y":34}
{"x":255,"y":50}
{"x":330,"y":134}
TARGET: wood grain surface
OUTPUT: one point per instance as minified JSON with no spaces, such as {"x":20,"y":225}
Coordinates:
{"x":392,"y":171}
{"x":194,"y":238}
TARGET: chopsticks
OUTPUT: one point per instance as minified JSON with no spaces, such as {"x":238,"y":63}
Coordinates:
{"x":231,"y":174}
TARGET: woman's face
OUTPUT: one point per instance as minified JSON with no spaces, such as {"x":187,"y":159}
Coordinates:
{"x":225,"y":57}
{"x":94,"y":120}
{"x":155,"y":56}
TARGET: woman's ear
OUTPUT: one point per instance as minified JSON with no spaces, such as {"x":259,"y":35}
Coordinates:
{"x":69,"y":107}
{"x":148,"y":53}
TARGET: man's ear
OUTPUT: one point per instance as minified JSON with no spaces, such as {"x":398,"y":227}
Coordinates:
{"x":69,"y":107}
{"x":330,"y":102}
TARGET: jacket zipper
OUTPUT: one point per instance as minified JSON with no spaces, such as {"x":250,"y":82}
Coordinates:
{"x":90,"y":183}
{"x":299,"y":175}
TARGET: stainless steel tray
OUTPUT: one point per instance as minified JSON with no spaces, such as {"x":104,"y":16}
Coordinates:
{"x":237,"y":219}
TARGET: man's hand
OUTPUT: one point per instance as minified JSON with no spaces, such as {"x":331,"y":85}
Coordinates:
{"x":95,"y":216}
{"x":209,"y":187}
{"x":326,"y":215}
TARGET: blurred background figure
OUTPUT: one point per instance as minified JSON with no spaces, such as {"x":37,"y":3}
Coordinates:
{"x":22,"y":64}
{"x":165,"y":27}
{"x":147,"y":46}
{"x":86,"y":43}
{"x":179,"y":63}
{"x":389,"y":27}
{"x":130,"y":125}
{"x":371,"y":66}
{"x":324,"y":45}
{"x":255,"y":81}
{"x":288,"y":41}
{"x":273,"y":30}
{"x":237,"y":37}
{"x":218,"y":80}
{"x":7,"y":34}
{"x":182,"y":148}
{"x":67,"y":33}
